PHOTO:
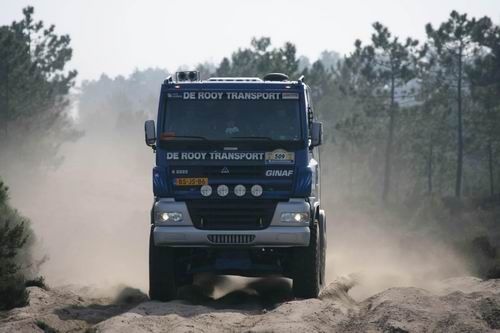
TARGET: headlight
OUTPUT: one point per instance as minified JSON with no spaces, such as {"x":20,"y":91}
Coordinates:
{"x":169,"y":217}
{"x":295,"y":217}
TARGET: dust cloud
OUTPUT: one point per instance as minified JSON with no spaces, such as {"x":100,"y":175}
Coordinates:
{"x":379,"y":255}
{"x":377,"y":249}
{"x":91,"y":217}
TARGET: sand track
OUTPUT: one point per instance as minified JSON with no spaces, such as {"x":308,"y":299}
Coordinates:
{"x":458,"y":305}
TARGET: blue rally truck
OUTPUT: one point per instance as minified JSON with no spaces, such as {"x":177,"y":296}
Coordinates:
{"x":236,"y":183}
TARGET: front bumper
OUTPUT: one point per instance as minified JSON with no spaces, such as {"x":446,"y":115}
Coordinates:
{"x":278,"y":234}
{"x":192,"y":237}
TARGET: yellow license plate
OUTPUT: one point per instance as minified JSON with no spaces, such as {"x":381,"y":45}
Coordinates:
{"x":191,"y":181}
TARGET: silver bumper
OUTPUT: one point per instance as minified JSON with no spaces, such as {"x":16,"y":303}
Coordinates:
{"x":278,"y":234}
{"x":271,"y":236}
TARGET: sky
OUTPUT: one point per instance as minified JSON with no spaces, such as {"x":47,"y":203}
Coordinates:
{"x":118,"y":36}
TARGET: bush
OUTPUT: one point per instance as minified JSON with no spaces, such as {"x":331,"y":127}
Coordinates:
{"x":15,"y":259}
{"x":37,"y":282}
{"x":12,"y":288}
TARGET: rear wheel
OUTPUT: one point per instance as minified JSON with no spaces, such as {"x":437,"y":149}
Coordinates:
{"x":308,"y":266}
{"x":163,"y":284}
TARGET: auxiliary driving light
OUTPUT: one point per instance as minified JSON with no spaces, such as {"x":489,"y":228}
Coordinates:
{"x":192,"y":76}
{"x":240,"y":190}
{"x":295,"y":217}
{"x":206,"y":190}
{"x":256,"y":190}
{"x":187,"y":76}
{"x":222,"y":190}
{"x":170,"y":217}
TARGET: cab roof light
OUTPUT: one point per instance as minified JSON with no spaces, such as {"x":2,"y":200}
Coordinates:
{"x":187,"y":76}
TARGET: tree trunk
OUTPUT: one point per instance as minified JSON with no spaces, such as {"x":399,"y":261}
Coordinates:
{"x":460,"y":143}
{"x":430,"y":166}
{"x":388,"y":149}
{"x":351,"y":169}
{"x":6,"y":101}
{"x":490,"y":167}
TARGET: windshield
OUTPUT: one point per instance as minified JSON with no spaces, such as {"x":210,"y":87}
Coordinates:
{"x":232,"y":119}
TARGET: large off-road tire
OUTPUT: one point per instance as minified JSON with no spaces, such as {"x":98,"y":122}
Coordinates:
{"x":324,"y":246}
{"x":307,"y":266}
{"x":162,"y":280}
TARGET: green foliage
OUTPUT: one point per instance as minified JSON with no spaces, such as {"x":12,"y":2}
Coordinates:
{"x":33,"y":92}
{"x":454,"y":44}
{"x":37,"y":282}
{"x":259,"y":60}
{"x":440,"y":102}
{"x":12,"y":289}
{"x":15,"y":244}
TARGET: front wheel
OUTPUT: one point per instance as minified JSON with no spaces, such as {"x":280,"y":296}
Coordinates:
{"x":308,"y":266}
{"x":162,"y":281}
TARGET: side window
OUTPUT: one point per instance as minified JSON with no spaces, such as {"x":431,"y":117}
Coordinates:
{"x":309,"y":98}
{"x":308,"y":105}
{"x":309,"y":112}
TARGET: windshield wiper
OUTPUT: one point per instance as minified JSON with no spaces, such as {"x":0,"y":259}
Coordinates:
{"x":173,"y":138}
{"x":253,"y":138}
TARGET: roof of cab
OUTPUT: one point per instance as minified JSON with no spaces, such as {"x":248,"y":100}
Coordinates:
{"x":210,"y":85}
{"x":232,"y":83}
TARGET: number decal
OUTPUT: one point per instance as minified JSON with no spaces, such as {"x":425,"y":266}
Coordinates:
{"x":280,"y":156}
{"x":191,"y":181}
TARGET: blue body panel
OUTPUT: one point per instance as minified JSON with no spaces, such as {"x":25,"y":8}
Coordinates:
{"x":298,"y":182}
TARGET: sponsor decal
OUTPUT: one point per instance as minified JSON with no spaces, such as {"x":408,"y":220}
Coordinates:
{"x":218,"y":95}
{"x":279,"y":173}
{"x":215,"y":156}
{"x":280,"y":156}
{"x":224,"y":170}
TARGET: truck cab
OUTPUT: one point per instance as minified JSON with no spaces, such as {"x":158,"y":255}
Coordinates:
{"x":236,"y":183}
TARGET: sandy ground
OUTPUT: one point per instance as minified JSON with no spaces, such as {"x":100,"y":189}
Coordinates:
{"x":464,"y":304}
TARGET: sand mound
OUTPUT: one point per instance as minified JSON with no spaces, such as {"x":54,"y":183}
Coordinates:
{"x":457,"y":305}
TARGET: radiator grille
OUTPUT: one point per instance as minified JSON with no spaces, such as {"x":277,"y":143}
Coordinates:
{"x":231,"y":214}
{"x":231,"y":239}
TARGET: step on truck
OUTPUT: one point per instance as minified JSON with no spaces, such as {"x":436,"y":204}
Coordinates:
{"x":236,"y":183}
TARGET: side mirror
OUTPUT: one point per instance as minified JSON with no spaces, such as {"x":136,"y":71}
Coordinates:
{"x":150,"y":133}
{"x":316,"y":134}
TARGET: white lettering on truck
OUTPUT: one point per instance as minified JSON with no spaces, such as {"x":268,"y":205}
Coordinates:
{"x":279,"y":173}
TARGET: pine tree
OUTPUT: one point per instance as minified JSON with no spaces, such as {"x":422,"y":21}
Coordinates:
{"x":455,"y":45}
{"x":394,"y":67}
{"x":34,"y":84}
